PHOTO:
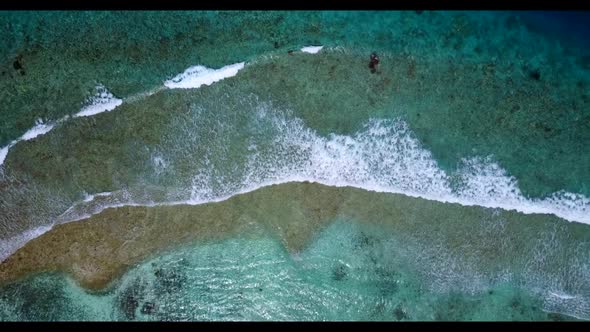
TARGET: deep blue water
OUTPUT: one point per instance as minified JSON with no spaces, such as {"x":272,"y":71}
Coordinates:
{"x":571,"y":27}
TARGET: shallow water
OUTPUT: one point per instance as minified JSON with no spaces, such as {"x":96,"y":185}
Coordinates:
{"x":349,"y":272}
{"x":109,"y":109}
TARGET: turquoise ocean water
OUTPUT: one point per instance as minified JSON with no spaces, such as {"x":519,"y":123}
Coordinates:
{"x":487,"y":109}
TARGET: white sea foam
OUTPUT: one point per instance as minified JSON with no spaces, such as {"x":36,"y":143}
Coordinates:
{"x":159,"y":164}
{"x":196,"y":76}
{"x":4,"y":153}
{"x":38,"y":130}
{"x":383,"y":157}
{"x":559,"y":302}
{"x":90,"y":197}
{"x":562,"y":296}
{"x":311,"y":49}
{"x":9,"y":246}
{"x":103,"y":101}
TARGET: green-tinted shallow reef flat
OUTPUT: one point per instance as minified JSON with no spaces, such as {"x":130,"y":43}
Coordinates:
{"x":245,"y":165}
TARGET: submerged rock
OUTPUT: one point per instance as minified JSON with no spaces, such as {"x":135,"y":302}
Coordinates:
{"x":339,"y":272}
{"x":535,"y":74}
{"x":148,"y":308}
{"x":373,"y":62}
{"x":399,"y":313}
